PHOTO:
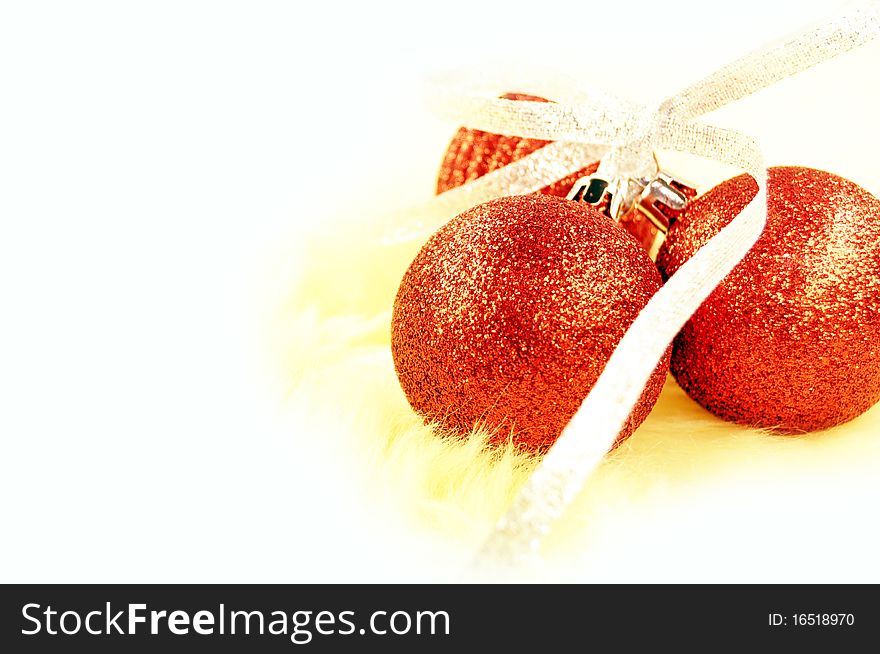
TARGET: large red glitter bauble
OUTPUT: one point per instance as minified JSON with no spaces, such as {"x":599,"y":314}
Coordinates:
{"x":472,"y":153}
{"x":791,"y":338}
{"x":508,"y":314}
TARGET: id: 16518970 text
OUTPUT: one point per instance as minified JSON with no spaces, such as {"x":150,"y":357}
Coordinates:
{"x":811,"y":620}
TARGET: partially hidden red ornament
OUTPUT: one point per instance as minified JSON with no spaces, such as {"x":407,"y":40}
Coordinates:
{"x":791,"y":338}
{"x":509,"y":313}
{"x":472,"y":153}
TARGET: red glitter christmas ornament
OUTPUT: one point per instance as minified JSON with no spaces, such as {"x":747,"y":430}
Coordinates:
{"x":508,"y":314}
{"x":473,"y":153}
{"x":791,"y":338}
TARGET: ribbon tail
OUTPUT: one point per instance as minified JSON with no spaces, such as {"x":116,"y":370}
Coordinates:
{"x":774,"y":62}
{"x":531,"y":173}
{"x":581,"y":447}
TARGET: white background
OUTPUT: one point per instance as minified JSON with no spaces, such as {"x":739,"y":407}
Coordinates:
{"x":151,"y":152}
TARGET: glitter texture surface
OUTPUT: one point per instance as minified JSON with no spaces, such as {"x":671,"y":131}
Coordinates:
{"x":473,"y":153}
{"x":790,"y":339}
{"x":508,"y":314}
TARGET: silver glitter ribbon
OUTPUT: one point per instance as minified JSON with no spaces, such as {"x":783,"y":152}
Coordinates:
{"x":587,"y":125}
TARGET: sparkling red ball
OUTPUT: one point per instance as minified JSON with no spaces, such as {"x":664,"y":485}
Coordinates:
{"x":791,"y":338}
{"x":508,"y":314}
{"x":472,"y":153}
